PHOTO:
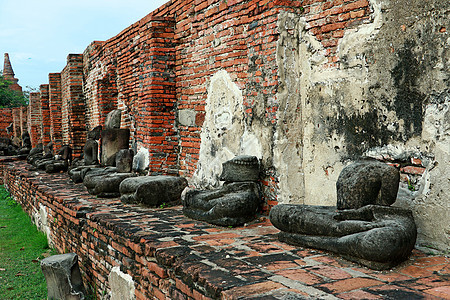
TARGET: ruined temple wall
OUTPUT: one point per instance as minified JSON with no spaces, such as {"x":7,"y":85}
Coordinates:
{"x":226,"y":76}
{"x":45,"y":113}
{"x":73,"y":104}
{"x":12,"y":116}
{"x":54,"y":80}
{"x":16,"y":121}
{"x":134,"y":72}
{"x":5,"y":120}
{"x":307,"y":87}
{"x":384,"y":94}
{"x":23,"y":119}
{"x":34,"y":120}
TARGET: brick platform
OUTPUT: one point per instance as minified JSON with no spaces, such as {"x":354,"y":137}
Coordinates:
{"x":172,"y":257}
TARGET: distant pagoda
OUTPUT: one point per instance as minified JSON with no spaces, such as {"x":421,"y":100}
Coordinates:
{"x":8,"y":74}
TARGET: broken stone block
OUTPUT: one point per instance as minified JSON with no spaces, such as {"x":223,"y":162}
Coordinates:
{"x":233,"y":204}
{"x":90,"y":152}
{"x":378,"y":237}
{"x":122,"y":285}
{"x":113,"y":140}
{"x":141,"y":161}
{"x":63,"y":277}
{"x":104,"y":183}
{"x":26,"y":146}
{"x":113,"y":119}
{"x":152,"y":190}
{"x":241,"y":168}
{"x":367,"y":182}
{"x":77,"y":174}
{"x":124,"y":160}
{"x":362,"y":228}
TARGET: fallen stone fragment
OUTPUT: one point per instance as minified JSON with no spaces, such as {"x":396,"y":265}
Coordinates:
{"x":152,"y":190}
{"x":63,"y":277}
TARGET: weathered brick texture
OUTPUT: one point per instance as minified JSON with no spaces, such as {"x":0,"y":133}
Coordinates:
{"x":34,"y":119}
{"x":45,"y":114}
{"x":55,"y":103}
{"x":73,"y":104}
{"x":162,"y":64}
{"x":5,"y":120}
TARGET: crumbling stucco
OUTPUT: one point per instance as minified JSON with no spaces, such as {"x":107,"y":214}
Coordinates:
{"x":40,"y":219}
{"x":122,"y":285}
{"x":383,"y":96}
{"x":380,"y":94}
{"x":224,"y":132}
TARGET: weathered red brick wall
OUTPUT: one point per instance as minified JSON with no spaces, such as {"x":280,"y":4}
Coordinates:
{"x":45,"y":113}
{"x":163,"y":62}
{"x":237,"y":36}
{"x":5,"y":120}
{"x":54,"y":105}
{"x":34,"y":120}
{"x":73,"y":104}
{"x":155,"y":112}
{"x":23,"y":119}
{"x":16,"y":121}
{"x":137,"y":77}
{"x":11,"y":116}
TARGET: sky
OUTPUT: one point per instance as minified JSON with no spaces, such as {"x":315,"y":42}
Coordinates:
{"x":39,"y":34}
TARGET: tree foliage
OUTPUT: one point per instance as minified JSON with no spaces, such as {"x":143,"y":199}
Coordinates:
{"x":8,"y":97}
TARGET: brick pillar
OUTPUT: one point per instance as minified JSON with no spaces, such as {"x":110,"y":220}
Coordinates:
{"x":54,"y":80}
{"x":23,"y":119}
{"x":34,"y":118}
{"x":72,"y":103}
{"x":155,"y":116}
{"x":45,"y":114}
{"x":16,"y":122}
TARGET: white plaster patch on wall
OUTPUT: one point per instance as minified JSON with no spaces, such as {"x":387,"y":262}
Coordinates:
{"x":122,"y":285}
{"x":250,"y":145}
{"x":40,"y":219}
{"x":429,"y":199}
{"x":432,"y":205}
{"x":354,"y":39}
{"x":350,"y":47}
{"x":224,"y":133}
{"x":141,"y":159}
{"x":287,"y":139}
{"x":326,"y":85}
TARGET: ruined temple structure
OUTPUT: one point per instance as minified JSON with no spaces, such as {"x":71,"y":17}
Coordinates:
{"x":13,"y":120}
{"x":8,"y":74}
{"x":306,"y":87}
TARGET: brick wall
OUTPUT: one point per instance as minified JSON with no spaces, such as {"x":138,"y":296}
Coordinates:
{"x":54,"y":105}
{"x":45,"y":113}
{"x":5,"y":120}
{"x":23,"y":119}
{"x":162,"y":64}
{"x":16,"y":121}
{"x":137,"y":77}
{"x":34,"y":119}
{"x":73,"y":104}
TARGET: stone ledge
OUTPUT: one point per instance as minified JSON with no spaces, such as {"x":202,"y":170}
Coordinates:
{"x":172,"y":257}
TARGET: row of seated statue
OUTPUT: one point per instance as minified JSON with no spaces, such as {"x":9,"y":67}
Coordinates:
{"x":362,"y":227}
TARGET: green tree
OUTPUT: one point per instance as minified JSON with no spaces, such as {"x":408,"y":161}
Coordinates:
{"x":10,"y":98}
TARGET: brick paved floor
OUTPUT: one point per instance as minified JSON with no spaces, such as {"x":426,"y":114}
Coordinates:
{"x":249,"y":262}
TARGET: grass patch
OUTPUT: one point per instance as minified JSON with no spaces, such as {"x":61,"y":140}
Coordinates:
{"x":22,"y":247}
